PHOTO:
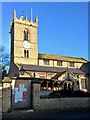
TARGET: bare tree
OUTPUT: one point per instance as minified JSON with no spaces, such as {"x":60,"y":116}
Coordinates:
{"x":4,"y":57}
{"x":4,"y":61}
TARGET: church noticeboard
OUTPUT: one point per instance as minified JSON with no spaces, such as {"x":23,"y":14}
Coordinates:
{"x":20,"y":93}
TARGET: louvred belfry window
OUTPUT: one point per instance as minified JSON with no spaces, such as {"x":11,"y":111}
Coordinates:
{"x":26,"y":53}
{"x":25,"y":35}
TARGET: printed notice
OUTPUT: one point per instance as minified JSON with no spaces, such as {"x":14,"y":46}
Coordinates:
{"x":21,"y":87}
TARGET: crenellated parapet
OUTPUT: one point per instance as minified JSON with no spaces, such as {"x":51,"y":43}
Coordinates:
{"x":24,"y":20}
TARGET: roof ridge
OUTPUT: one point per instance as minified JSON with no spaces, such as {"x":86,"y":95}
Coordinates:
{"x":63,"y":56}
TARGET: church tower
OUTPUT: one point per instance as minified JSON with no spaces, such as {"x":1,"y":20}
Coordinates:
{"x":24,"y":40}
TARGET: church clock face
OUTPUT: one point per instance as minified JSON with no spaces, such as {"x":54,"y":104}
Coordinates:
{"x":26,"y":44}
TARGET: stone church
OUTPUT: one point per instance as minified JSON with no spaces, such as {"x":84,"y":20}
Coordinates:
{"x":51,"y":71}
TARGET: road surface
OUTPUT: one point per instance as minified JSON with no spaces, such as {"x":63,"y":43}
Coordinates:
{"x":16,"y":115}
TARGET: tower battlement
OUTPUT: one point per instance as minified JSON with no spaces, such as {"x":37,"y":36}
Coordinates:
{"x":23,"y":20}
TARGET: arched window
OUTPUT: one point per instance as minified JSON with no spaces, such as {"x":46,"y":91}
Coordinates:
{"x":26,"y":35}
{"x":26,"y":53}
{"x":69,"y":86}
{"x":50,"y":85}
{"x":44,"y":85}
{"x":56,"y":86}
{"x":73,"y":86}
{"x":65,"y":86}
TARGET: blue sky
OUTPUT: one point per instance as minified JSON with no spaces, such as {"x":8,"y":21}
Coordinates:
{"x":63,"y":26}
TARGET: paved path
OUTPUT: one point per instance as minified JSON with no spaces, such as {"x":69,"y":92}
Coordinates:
{"x":16,"y":115}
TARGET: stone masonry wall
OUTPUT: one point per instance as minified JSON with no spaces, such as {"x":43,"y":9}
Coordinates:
{"x":56,"y":103}
{"x":6,"y":99}
{"x":63,"y":103}
{"x":36,"y":96}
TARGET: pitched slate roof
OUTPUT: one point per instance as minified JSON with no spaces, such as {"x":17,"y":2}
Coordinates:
{"x":86,"y":67}
{"x":63,"y":58}
{"x":41,"y":68}
{"x":57,"y":75}
{"x":71,"y":70}
{"x":38,"y":68}
{"x":76,"y":70}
